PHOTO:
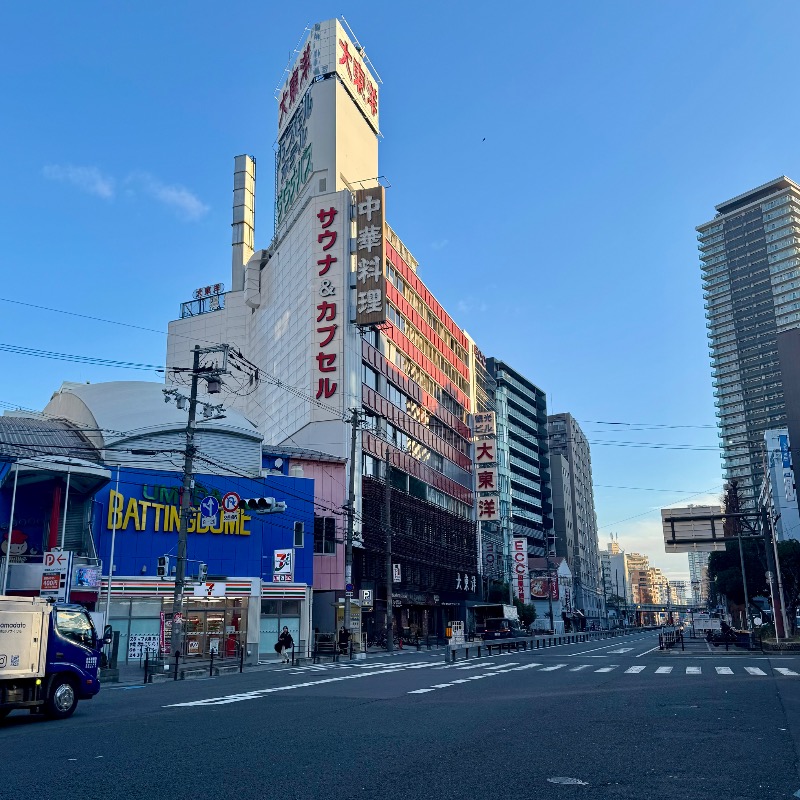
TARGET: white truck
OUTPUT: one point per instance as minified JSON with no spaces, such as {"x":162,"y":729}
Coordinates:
{"x":49,"y":656}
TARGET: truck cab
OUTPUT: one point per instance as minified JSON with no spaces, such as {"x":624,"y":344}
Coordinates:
{"x":49,"y":656}
{"x":500,"y":628}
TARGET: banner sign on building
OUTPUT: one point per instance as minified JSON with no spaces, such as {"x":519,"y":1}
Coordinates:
{"x":488,"y":509}
{"x":293,"y":159}
{"x":486,"y":479}
{"x":785,"y":457}
{"x":486,"y":451}
{"x":328,"y":257}
{"x":209,"y":589}
{"x":483,"y":424}
{"x":519,"y":559}
{"x":328,"y":50}
{"x":370,"y":257}
{"x":283,"y":566}
{"x":396,"y":573}
{"x":539,"y":588}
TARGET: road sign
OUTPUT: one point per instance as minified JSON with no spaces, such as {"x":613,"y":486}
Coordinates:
{"x":55,"y":558}
{"x":230,"y":501}
{"x":366,"y":599}
{"x":209,"y":506}
{"x":348,"y":587}
{"x":57,"y":575}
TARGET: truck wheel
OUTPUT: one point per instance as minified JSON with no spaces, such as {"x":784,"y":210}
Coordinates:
{"x":61,"y":700}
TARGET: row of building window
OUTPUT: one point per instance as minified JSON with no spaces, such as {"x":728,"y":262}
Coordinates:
{"x":411,"y":297}
{"x":407,"y":366}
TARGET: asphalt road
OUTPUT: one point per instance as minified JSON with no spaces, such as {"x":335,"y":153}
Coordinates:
{"x":605,"y":719}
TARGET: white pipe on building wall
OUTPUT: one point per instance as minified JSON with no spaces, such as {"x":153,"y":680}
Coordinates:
{"x":66,"y":500}
{"x":10,"y":530}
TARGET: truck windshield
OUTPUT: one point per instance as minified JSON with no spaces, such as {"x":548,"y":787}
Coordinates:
{"x":75,"y":626}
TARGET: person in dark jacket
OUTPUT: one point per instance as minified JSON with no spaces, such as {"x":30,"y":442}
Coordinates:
{"x":286,"y":643}
{"x":344,"y":638}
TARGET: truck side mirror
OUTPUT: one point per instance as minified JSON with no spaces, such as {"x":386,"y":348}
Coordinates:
{"x":108,"y":634}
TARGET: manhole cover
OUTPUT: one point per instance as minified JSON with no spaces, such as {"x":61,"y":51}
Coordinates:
{"x":570,"y":781}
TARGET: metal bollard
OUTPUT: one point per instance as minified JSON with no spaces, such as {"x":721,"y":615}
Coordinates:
{"x":211,"y":666}
{"x":146,"y":664}
{"x":177,"y":656}
{"x":292,"y":653}
{"x":241,"y":658}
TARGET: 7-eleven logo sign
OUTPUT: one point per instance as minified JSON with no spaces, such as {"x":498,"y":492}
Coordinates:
{"x":283,"y":566}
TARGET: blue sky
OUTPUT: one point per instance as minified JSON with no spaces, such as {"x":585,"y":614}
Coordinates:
{"x":548,"y":165}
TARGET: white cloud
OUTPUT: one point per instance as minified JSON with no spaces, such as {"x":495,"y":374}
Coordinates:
{"x":176,"y":197}
{"x":87,"y":179}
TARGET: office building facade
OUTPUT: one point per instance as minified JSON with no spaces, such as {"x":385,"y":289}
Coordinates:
{"x":567,"y":439}
{"x":523,"y":460}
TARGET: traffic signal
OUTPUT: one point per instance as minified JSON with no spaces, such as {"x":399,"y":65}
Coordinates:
{"x":202,"y":573}
{"x":163,"y":566}
{"x":262,"y":505}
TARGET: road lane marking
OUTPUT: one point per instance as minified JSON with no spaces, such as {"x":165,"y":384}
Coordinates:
{"x":259,"y":693}
{"x":635,"y":670}
{"x":524,"y":666}
{"x":553,"y":668}
{"x":647,"y":651}
{"x":621,"y":650}
{"x":694,"y":671}
{"x":421,"y":691}
{"x":724,"y":670}
{"x":441,"y":685}
{"x":663,"y":670}
{"x":580,"y":667}
{"x":784,"y":671}
{"x":607,"y":669}
{"x":754,"y":671}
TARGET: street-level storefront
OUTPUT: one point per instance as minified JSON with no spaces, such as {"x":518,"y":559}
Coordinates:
{"x":258,"y":567}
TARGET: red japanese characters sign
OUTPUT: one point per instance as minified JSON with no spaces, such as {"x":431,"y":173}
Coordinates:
{"x":485,"y":451}
{"x":328,"y":258}
{"x":519,"y":559}
{"x":370,"y":257}
{"x":539,"y":588}
{"x":486,"y":479}
{"x":326,"y":54}
{"x":488,"y":509}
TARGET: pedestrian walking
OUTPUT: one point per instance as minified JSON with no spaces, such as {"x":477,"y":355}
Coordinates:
{"x":344,"y":638}
{"x":285,"y":644}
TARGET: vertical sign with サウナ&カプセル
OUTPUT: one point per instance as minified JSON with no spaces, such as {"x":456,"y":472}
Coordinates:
{"x":370,"y":257}
{"x":330,"y":309}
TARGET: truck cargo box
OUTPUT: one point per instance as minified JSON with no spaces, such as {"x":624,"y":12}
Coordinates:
{"x":23,"y":637}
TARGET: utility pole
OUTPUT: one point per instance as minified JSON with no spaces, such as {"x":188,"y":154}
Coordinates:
{"x":351,"y":511}
{"x":775,"y":588}
{"x":387,"y":523}
{"x":605,"y":601}
{"x":176,"y":640}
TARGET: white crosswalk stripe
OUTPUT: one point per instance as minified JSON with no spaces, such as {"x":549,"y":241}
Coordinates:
{"x":694,"y":671}
{"x":553,"y":668}
{"x":724,"y":670}
{"x":607,"y":669}
{"x":580,"y":667}
{"x":635,"y":670}
{"x":755,"y":671}
{"x":785,"y":671}
{"x":663,"y":670}
{"x":621,"y":650}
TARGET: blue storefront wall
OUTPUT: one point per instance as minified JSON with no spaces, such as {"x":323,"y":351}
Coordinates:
{"x":147,"y":525}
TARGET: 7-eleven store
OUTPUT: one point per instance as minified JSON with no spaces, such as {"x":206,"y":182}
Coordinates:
{"x":243,"y":613}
